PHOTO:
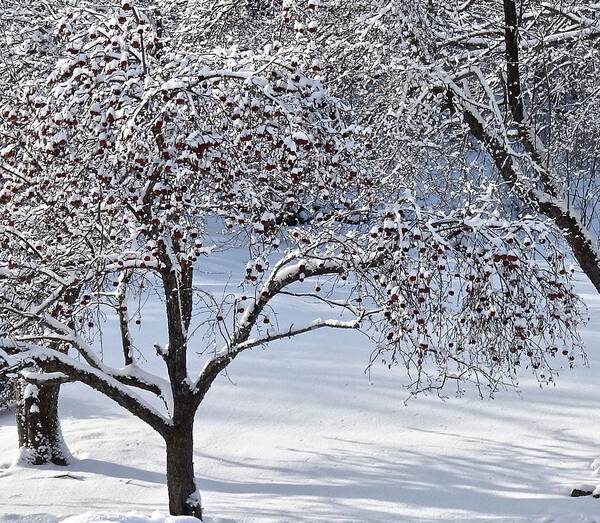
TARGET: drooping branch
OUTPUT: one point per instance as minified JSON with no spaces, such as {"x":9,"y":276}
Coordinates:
{"x":56,"y":362}
{"x":62,"y":333}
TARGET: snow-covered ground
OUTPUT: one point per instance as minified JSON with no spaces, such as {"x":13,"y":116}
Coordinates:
{"x":298,"y":433}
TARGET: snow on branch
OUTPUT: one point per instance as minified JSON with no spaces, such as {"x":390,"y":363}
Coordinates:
{"x":55,"y":361}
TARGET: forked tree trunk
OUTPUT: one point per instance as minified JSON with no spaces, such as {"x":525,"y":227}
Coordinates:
{"x":38,"y":425}
{"x":184,"y":499}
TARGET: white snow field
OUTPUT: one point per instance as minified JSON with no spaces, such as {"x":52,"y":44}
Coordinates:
{"x":298,"y":433}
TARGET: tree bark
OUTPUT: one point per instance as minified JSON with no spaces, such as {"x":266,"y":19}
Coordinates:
{"x":184,"y":499}
{"x":38,"y":425}
{"x":513,"y":75}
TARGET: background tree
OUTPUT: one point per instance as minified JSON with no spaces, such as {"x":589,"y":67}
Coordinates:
{"x":459,"y":95}
{"x":522,"y":77}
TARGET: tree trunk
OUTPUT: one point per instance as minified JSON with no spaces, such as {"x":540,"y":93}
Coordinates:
{"x":38,"y":426}
{"x":184,"y":498}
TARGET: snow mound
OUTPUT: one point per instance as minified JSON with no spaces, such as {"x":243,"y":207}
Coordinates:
{"x":128,"y":517}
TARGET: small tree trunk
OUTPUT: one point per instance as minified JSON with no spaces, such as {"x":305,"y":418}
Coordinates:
{"x":38,"y":426}
{"x":184,"y":498}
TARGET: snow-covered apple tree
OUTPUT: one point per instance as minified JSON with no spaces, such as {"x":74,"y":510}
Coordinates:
{"x":121,"y":157}
{"x":26,"y":50}
{"x":490,"y":90}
